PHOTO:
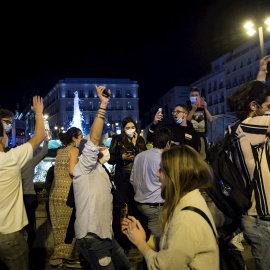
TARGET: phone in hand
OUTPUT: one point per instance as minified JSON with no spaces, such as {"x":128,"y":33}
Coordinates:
{"x":159,"y":110}
{"x":199,"y":99}
{"x":130,"y":152}
{"x":105,"y":93}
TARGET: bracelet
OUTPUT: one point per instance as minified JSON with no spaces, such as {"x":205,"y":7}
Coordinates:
{"x":97,"y":115}
{"x":102,"y":114}
{"x":102,"y":108}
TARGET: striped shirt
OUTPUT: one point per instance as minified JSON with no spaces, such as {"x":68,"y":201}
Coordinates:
{"x":252,"y":157}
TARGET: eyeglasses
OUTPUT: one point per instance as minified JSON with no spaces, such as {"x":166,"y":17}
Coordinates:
{"x":177,"y":112}
{"x":8,"y":122}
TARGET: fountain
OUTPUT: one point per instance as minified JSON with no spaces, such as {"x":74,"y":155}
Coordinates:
{"x":42,"y":168}
{"x":77,"y":115}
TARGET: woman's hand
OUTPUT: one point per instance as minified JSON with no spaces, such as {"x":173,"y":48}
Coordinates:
{"x":134,"y":231}
{"x":134,"y":138}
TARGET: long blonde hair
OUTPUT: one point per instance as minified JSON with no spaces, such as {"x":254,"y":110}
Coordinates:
{"x":184,"y":170}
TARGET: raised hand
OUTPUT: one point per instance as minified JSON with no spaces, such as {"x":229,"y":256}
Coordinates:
{"x":103,"y":99}
{"x":37,"y":106}
{"x":158,"y":117}
{"x":263,"y":68}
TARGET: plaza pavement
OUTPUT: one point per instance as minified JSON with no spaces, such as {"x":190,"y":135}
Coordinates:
{"x":43,"y":247}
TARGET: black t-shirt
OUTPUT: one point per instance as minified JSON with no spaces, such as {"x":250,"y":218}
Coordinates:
{"x":181,"y":134}
{"x":198,"y":120}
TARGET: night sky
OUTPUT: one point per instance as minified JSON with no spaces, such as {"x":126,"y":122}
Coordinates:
{"x":158,"y":46}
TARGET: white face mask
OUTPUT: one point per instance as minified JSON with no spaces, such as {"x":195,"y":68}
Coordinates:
{"x":7,"y":127}
{"x":130,"y":132}
{"x":105,"y":157}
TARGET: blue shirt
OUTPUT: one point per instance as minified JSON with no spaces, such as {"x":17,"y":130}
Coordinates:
{"x":143,"y":177}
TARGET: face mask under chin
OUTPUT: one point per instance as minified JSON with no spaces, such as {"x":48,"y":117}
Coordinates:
{"x":179,"y":121}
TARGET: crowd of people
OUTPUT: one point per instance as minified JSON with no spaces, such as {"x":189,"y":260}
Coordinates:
{"x":167,"y":217}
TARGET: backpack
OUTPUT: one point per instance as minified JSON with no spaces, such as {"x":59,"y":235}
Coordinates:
{"x":228,"y":191}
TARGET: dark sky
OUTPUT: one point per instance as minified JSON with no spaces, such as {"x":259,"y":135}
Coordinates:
{"x":160,"y":46}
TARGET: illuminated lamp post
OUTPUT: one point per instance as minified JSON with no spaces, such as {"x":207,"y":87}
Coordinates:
{"x":250,"y":27}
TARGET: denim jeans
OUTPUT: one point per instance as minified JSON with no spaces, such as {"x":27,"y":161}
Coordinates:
{"x":151,"y":215}
{"x":257,"y":235}
{"x":103,"y":254}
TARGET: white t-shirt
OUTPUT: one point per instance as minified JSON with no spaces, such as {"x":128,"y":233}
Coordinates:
{"x":12,"y":211}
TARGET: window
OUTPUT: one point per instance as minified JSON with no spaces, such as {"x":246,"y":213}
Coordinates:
{"x":118,"y":93}
{"x":128,"y":93}
{"x":81,"y":94}
{"x":90,"y":106}
{"x":91,"y":94}
{"x":118,"y":105}
{"x":129,"y":105}
{"x":109,"y":106}
{"x":69,"y":106}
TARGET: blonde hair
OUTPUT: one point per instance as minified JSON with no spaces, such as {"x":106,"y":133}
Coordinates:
{"x":185,"y":170}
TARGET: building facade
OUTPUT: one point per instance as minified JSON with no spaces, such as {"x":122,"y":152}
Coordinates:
{"x":59,"y":104}
{"x":227,"y":73}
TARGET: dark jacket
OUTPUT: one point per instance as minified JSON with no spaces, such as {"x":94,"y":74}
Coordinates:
{"x":181,"y":134}
{"x":117,"y":148}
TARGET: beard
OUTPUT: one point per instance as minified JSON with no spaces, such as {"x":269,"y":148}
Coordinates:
{"x":163,"y":193}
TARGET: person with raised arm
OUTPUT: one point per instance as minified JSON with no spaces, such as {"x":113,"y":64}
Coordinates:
{"x":94,"y":199}
{"x":13,"y":245}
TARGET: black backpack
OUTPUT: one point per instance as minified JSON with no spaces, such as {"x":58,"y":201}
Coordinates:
{"x":228,"y":191}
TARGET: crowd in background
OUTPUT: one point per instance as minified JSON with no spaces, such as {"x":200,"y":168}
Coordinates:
{"x":161,"y":186}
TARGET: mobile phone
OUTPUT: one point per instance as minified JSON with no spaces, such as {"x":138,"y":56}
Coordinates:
{"x":105,"y":93}
{"x":199,"y":101}
{"x":130,"y":152}
{"x":160,"y":110}
{"x":268,"y":70}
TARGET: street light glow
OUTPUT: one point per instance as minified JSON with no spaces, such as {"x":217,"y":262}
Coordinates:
{"x":251,"y":32}
{"x":248,"y":25}
{"x":267,"y":21}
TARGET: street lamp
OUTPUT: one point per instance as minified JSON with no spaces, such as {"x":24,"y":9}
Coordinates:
{"x":60,"y":129}
{"x":251,"y":31}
